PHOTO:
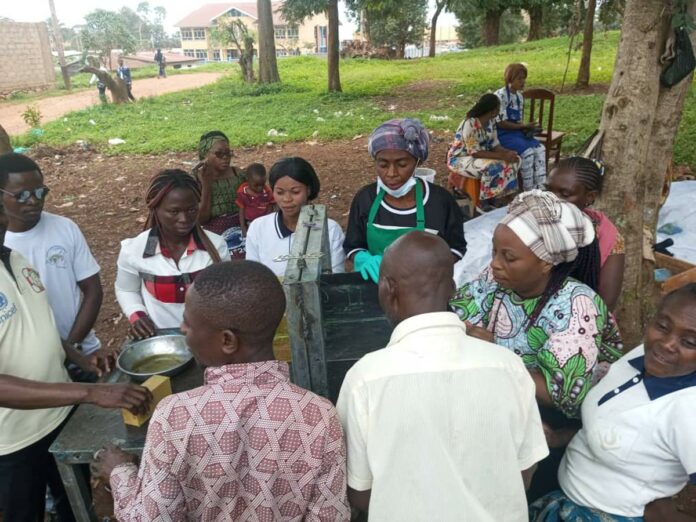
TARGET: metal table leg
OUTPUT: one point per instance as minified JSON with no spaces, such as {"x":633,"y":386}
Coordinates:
{"x":78,"y":491}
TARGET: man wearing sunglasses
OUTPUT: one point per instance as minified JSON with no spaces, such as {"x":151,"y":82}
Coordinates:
{"x":36,"y":394}
{"x":55,"y":246}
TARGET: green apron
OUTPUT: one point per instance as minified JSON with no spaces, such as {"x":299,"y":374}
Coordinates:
{"x":378,"y":239}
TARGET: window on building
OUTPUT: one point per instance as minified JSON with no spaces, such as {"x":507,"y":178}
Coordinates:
{"x":235,"y":12}
{"x":189,"y":52}
{"x":232,"y":54}
{"x":293,"y":32}
{"x":199,"y":34}
{"x":201,"y":53}
{"x":186,"y":34}
{"x":216,"y":55}
{"x":280,"y":32}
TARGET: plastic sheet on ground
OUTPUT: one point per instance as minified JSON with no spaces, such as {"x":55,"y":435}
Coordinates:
{"x":680,"y":208}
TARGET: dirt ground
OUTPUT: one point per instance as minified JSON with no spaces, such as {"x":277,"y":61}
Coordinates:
{"x":55,"y":107}
{"x":104,"y":195}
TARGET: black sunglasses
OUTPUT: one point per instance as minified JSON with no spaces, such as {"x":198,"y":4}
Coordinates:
{"x":23,"y":195}
{"x":223,"y":154}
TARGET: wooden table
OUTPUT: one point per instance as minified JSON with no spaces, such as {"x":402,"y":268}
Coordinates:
{"x":91,"y":428}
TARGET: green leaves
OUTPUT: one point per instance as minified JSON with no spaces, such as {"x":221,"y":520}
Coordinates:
{"x":547,"y":360}
{"x":536,"y":338}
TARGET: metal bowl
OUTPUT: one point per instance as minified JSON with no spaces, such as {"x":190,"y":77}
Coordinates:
{"x":137,"y":353}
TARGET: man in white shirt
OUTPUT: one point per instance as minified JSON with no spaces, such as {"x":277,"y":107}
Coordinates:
{"x":55,"y":246}
{"x":35,"y":390}
{"x":439,"y":425}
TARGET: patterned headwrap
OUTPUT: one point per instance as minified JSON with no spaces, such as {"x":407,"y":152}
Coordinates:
{"x":551,"y":227}
{"x":208,"y":140}
{"x":406,"y":134}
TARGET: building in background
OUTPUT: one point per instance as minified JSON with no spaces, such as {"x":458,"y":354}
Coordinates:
{"x":310,"y":37}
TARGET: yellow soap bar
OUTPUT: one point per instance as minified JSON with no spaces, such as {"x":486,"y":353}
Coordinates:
{"x":160,"y":387}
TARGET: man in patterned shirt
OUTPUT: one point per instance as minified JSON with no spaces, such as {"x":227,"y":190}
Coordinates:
{"x":247,"y":445}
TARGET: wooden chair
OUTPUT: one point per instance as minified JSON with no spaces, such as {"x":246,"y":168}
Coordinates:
{"x":549,"y":138}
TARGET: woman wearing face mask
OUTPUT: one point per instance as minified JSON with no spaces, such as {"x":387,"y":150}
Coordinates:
{"x":399,"y":202}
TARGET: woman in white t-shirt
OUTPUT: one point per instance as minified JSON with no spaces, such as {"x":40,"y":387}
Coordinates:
{"x":269,"y":239}
{"x":636,"y":449}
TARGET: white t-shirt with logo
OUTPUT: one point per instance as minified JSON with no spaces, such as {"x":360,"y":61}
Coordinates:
{"x":59,"y":251}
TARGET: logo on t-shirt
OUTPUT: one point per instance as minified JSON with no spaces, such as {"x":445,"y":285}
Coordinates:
{"x":32,"y":277}
{"x":56,"y":256}
{"x":6,"y":312}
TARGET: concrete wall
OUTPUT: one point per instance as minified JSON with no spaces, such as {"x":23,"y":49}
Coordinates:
{"x":25,"y":60}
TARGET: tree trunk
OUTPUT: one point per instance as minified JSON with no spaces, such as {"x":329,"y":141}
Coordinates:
{"x":117,"y":87}
{"x":268,"y":65}
{"x":58,"y":40}
{"x":365,"y":26}
{"x":536,"y":23}
{"x":491,"y":27}
{"x":5,"y":145}
{"x":433,"y":27}
{"x":587,"y":37}
{"x":400,"y":51}
{"x":333,"y":48}
{"x":640,"y":120}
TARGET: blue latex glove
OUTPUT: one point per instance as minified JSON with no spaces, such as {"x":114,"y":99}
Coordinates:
{"x":367,"y":265}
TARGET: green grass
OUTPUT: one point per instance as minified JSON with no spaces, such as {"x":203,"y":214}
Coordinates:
{"x":173,"y":122}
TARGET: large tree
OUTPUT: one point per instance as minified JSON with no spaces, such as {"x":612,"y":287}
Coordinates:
{"x":512,"y":27}
{"x":105,"y":31}
{"x":583,"y":79}
{"x":395,"y":25}
{"x":639,"y":121}
{"x":268,"y":64}
{"x":295,"y":11}
{"x":440,"y":5}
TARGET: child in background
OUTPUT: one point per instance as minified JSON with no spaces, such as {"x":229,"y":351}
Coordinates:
{"x":254,"y":197}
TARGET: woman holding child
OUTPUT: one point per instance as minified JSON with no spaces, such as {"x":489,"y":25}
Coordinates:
{"x":269,"y":240}
{"x":219,"y":183}
{"x":399,"y":201}
{"x":156,"y":268}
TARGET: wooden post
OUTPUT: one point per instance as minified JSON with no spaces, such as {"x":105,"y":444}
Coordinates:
{"x":58,"y":39}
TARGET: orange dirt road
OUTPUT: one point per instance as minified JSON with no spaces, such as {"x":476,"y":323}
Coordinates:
{"x":54,"y":107}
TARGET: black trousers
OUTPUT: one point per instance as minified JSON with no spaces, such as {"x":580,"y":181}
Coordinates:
{"x":24,"y":476}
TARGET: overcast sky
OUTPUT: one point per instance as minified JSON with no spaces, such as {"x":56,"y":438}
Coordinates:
{"x":70,"y":12}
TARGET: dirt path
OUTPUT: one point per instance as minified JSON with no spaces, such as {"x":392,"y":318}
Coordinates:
{"x":55,"y":107}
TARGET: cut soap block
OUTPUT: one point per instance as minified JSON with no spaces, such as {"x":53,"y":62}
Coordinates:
{"x":160,"y":387}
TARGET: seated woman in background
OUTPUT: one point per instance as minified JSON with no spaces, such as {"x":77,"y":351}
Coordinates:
{"x":477,"y":153}
{"x":513,"y":133}
{"x":579,"y":181}
{"x":527,"y":302}
{"x":219,"y":183}
{"x":156,"y":268}
{"x":398,"y":201}
{"x":269,"y":240}
{"x":636,"y":448}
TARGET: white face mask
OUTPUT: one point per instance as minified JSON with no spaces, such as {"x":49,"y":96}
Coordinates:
{"x":401,"y":191}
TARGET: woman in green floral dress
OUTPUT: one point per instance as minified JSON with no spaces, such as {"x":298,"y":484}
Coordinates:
{"x":528,"y":302}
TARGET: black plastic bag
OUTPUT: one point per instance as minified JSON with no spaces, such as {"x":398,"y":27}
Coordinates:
{"x":684,"y":60}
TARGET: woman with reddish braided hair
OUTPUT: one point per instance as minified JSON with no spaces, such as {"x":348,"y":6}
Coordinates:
{"x":156,"y":268}
{"x":579,"y":181}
